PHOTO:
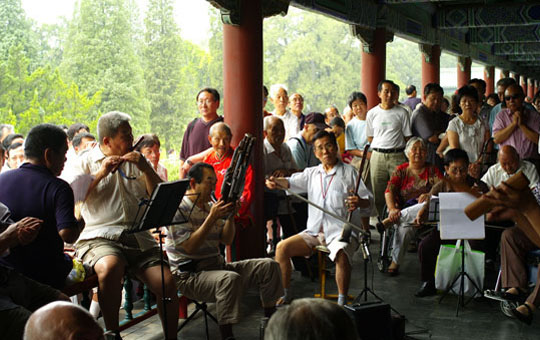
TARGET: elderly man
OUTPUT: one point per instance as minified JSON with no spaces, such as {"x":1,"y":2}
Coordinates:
{"x":278,"y":162}
{"x":200,"y":271}
{"x":330,"y":113}
{"x":296,"y":103}
{"x":34,"y":190}
{"x":388,"y":129}
{"x":502,"y":84}
{"x":301,"y":144}
{"x":220,"y":157}
{"x":196,"y":135}
{"x":62,"y":320}
{"x":330,"y":185}
{"x":15,"y":156}
{"x":280,"y":99}
{"x":19,"y":295}
{"x":518,"y":126}
{"x":508,"y":164}
{"x":429,"y":122}
{"x":110,"y":210}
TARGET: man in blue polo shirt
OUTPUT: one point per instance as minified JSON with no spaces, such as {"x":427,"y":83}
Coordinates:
{"x":34,"y":190}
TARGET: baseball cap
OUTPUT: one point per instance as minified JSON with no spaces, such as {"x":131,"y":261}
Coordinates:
{"x":317,"y":119}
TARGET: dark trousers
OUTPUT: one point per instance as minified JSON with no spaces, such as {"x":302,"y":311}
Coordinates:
{"x":514,"y":248}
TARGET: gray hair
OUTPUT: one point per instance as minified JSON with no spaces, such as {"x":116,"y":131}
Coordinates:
{"x":109,"y":123}
{"x":268,"y":120}
{"x":411,"y":143}
{"x":312,"y":319}
{"x":274,"y":89}
{"x":220,"y":126}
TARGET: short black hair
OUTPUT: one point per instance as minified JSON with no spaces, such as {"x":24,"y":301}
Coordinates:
{"x":433,"y":88}
{"x":337,"y":121}
{"x":506,"y":81}
{"x":323,"y":133}
{"x":148,"y":141}
{"x":467,"y":91}
{"x":265,"y":91}
{"x":356,"y":96}
{"x":10,"y":138}
{"x":74,"y":128}
{"x":13,"y":147}
{"x":455,"y":155}
{"x":495,"y":97}
{"x":77,"y":140}
{"x":478,"y":81}
{"x":197,"y":171}
{"x":42,"y":137}
{"x":210,"y":90}
{"x":385,"y":81}
{"x":410,"y":89}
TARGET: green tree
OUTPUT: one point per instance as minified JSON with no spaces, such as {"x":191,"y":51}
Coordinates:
{"x":15,"y":29}
{"x":100,"y":56}
{"x":403,"y":64}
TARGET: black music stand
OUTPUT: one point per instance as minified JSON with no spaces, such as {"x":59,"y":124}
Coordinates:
{"x":160,"y":210}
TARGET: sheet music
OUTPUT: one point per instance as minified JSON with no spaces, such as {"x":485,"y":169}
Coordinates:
{"x":454,"y":223}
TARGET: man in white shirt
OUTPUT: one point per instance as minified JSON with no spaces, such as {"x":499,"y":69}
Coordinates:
{"x":507,"y":165}
{"x":110,"y":210}
{"x":330,"y":185}
{"x":388,"y":129}
{"x":280,"y":99}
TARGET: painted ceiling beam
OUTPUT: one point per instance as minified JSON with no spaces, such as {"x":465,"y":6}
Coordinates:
{"x":516,"y":48}
{"x":509,"y":34}
{"x":488,"y":16}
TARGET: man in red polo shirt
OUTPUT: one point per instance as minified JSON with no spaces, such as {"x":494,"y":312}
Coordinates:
{"x":220,"y":158}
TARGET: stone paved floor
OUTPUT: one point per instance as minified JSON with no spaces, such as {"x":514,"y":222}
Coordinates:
{"x":481,"y":319}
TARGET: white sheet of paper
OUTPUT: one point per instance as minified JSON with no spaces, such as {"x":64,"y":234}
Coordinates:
{"x":454,"y":223}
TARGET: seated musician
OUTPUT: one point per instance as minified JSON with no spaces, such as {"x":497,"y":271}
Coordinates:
{"x":220,"y":158}
{"x":34,"y":190}
{"x":516,"y":242}
{"x":409,"y":184}
{"x":330,"y":185}
{"x":457,"y":180}
{"x":200,"y":271}
{"x":110,"y":210}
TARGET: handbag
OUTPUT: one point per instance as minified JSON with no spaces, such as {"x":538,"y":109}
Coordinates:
{"x":449,"y":266}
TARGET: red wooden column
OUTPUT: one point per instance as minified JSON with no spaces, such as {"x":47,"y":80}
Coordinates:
{"x":431,"y":72}
{"x":374,"y":65}
{"x":463,"y":71}
{"x":489,"y":78}
{"x":530,"y":87}
{"x":535,"y":85}
{"x":523,"y":83}
{"x":243,"y":81}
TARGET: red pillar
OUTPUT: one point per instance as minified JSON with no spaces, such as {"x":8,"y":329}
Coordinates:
{"x":530,"y":87}
{"x":535,"y":86}
{"x":463,"y":71}
{"x":243,"y":81}
{"x":374,"y":67}
{"x":431,"y":72}
{"x":489,"y":78}
{"x":523,"y":84}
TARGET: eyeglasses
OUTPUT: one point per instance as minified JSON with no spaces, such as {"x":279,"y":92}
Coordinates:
{"x":515,"y":97}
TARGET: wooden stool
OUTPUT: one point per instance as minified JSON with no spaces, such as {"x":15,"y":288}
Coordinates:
{"x":322,"y":253}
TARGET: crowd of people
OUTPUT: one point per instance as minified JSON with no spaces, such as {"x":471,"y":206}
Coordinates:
{"x":65,"y":185}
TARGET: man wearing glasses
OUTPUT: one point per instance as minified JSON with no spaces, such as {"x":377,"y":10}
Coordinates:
{"x":517,"y":125}
{"x":109,"y":210}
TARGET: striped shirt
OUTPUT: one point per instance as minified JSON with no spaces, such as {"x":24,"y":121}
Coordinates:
{"x":179,"y":233}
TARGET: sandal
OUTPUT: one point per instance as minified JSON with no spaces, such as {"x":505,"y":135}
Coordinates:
{"x":525,"y":318}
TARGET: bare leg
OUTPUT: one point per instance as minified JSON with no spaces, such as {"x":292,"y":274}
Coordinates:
{"x":292,"y":246}
{"x":152,"y":278}
{"x":110,"y":271}
{"x":343,"y":272}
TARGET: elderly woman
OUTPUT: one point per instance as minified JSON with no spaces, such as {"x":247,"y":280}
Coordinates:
{"x":409,"y":184}
{"x":467,"y":131}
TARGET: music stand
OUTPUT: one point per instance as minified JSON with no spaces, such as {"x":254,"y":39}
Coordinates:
{"x":160,"y":210}
{"x":455,"y":213}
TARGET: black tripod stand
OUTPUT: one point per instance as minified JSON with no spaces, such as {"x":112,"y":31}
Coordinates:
{"x":367,"y":258}
{"x":461,"y":276}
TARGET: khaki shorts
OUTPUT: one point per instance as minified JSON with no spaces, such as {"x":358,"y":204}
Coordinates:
{"x":126,"y":248}
{"x":335,"y":246}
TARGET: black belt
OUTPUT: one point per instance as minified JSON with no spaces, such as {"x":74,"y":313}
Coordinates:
{"x":396,"y":150}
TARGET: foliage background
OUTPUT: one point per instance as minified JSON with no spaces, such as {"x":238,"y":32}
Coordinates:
{"x":113,"y":56}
